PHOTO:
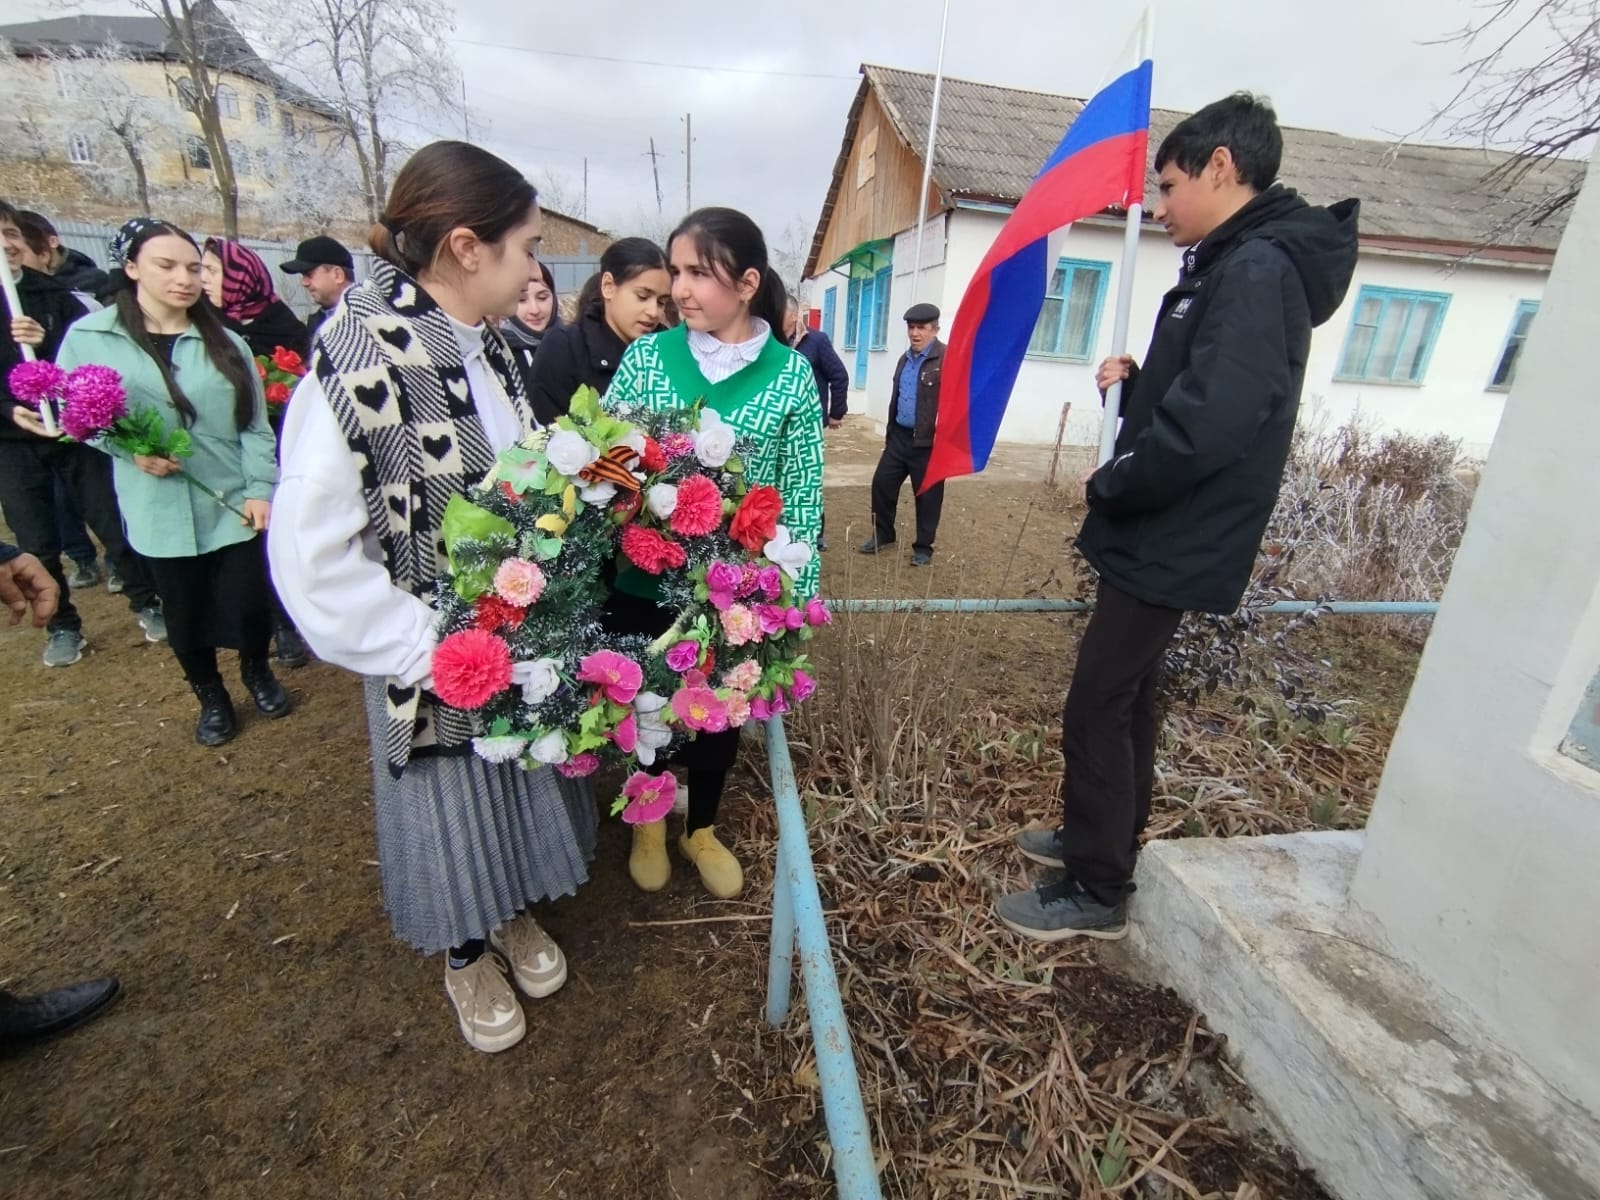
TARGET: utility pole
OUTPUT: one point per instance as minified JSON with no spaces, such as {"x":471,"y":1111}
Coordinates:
{"x":466,"y":113}
{"x":688,"y":162}
{"x":586,"y":187}
{"x":655,"y":170}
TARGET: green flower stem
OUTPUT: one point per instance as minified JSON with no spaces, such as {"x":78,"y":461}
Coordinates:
{"x":219,"y":497}
{"x":672,"y":636}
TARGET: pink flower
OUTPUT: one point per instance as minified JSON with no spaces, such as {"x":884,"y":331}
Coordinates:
{"x":616,"y":674}
{"x":677,"y":445}
{"x":470,"y":668}
{"x":579,"y":765}
{"x":744,"y":676}
{"x":650,"y":797}
{"x":519,"y":582}
{"x":35,"y":382}
{"x":771,"y":618}
{"x":802,"y":688}
{"x":779,"y":704}
{"x":817,"y":613}
{"x":793,"y":619}
{"x":699,"y":510}
{"x":698,"y":708}
{"x":95,"y":402}
{"x":760,"y":710}
{"x":740,"y":626}
{"x":738,"y":711}
{"x":683,"y":656}
{"x":770,"y":581}
{"x":626,"y":734}
{"x":722,"y":581}
{"x":749,"y":577}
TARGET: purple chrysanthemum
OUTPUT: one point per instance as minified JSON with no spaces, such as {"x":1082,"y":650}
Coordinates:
{"x":95,"y":401}
{"x":34,"y":382}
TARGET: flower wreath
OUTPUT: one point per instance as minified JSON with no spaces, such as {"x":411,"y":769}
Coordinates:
{"x":521,"y":644}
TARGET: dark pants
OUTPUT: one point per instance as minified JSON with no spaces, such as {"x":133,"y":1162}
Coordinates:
{"x":1108,"y":738}
{"x":901,"y":461}
{"x":212,"y":600}
{"x":27,"y":493}
{"x":75,"y":543}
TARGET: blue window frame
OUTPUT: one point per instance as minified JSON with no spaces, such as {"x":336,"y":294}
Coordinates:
{"x":852,"y":314}
{"x":830,"y":300}
{"x":1505,"y":371}
{"x":881,"y":282}
{"x":1391,"y":336}
{"x":1070,"y":317}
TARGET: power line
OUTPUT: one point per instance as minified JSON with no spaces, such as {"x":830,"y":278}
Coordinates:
{"x":650,"y":62}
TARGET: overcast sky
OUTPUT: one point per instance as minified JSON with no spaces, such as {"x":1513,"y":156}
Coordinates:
{"x":769,"y":85}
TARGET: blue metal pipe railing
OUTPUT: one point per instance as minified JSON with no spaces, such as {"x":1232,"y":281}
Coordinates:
{"x":1346,"y":608}
{"x":797,"y":906}
{"x":797,"y":916}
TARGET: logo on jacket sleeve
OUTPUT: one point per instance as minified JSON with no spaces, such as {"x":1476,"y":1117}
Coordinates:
{"x":1182,"y":307}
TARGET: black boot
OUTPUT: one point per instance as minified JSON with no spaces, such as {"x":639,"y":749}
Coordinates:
{"x":216,"y":714}
{"x":290,"y":649}
{"x":271,"y":700}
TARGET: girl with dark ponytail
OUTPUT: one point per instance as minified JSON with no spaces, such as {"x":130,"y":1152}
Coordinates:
{"x":175,"y":357}
{"x":729,"y":353}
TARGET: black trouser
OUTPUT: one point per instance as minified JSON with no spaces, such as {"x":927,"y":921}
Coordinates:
{"x":901,"y":461}
{"x":28,"y":471}
{"x":1108,"y":738}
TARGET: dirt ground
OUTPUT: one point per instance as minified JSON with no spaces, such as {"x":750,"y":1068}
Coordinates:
{"x":274,"y":1039}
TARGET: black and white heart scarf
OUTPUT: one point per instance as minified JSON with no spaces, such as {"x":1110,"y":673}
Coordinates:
{"x":392,"y":369}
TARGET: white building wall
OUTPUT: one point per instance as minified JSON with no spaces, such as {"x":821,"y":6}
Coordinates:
{"x":1453,"y":398}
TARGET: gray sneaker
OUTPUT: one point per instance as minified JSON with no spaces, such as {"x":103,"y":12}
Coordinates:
{"x":114,"y":583}
{"x":64,"y":647}
{"x":154,"y":624}
{"x":84,"y":575}
{"x":1054,"y":912}
{"x":1043,"y":846}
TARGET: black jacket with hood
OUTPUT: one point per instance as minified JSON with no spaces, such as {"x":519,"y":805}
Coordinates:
{"x":51,"y":303}
{"x":1176,"y":517}
{"x":584,"y":353}
{"x":79,"y":272}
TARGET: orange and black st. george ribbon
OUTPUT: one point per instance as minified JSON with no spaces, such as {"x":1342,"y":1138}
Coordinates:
{"x":612,"y":467}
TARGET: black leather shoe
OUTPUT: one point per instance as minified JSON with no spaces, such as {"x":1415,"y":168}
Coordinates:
{"x":822,"y":544}
{"x":872,"y":545}
{"x":28,"y":1018}
{"x":921,"y":558}
{"x":216,"y":724}
{"x":271,"y":700}
{"x":289,"y":649}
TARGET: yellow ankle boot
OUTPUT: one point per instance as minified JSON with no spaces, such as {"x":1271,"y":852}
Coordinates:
{"x":719,"y":869}
{"x":648,"y":863}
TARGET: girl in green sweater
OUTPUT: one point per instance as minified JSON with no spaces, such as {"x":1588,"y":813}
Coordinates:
{"x":726,"y":352}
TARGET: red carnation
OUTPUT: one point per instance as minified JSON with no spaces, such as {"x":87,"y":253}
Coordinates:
{"x":699,"y":508}
{"x":654,"y":458}
{"x":756,"y":522}
{"x":470,"y":668}
{"x":261,"y":369}
{"x":492,"y":613}
{"x":649,"y":551}
{"x":277,"y":393}
{"x":287,"y":360}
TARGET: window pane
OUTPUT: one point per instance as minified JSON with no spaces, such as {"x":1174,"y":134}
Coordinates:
{"x":1418,"y":337}
{"x":1058,"y":282}
{"x":1507,"y":369}
{"x":1045,"y":340}
{"x":1386,"y":348}
{"x":1356,"y":351}
{"x":1081,"y":307}
{"x":1525,"y":319}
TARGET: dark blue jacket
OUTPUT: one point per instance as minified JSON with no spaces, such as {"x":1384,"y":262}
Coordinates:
{"x":833,"y":381}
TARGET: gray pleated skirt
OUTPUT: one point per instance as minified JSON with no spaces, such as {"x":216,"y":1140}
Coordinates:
{"x":464,"y":844}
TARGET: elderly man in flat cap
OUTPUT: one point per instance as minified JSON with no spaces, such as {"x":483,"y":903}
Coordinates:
{"x":908,"y":441}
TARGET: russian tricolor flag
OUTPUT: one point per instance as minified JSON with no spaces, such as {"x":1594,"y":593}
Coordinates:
{"x":1099,"y":163}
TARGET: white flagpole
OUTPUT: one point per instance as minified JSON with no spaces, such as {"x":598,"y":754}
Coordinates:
{"x":927,"y":159}
{"x":46,"y":409}
{"x":1130,"y":252}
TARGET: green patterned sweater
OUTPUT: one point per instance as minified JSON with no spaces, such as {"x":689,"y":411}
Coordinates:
{"x":773,"y":402}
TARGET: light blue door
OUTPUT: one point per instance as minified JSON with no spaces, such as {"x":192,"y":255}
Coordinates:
{"x":863,"y":331}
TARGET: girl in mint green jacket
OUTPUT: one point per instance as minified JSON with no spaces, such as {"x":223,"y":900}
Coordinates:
{"x":175,"y":356}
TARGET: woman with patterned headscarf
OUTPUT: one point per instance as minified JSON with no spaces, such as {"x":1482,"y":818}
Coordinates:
{"x":239,"y":286}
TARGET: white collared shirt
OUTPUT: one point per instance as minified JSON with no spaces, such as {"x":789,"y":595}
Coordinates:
{"x":718,"y":359}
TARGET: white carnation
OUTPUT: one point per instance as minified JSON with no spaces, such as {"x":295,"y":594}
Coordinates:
{"x":570,"y":452}
{"x":662,"y":500}
{"x":499,"y":749}
{"x":538,"y":679}
{"x":713,"y":444}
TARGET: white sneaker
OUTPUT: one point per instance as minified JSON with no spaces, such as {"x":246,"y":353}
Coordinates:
{"x":537,"y":964}
{"x":491,"y":1018}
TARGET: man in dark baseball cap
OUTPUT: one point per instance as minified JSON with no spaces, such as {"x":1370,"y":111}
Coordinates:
{"x":326,"y":271}
{"x":908,"y":439}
